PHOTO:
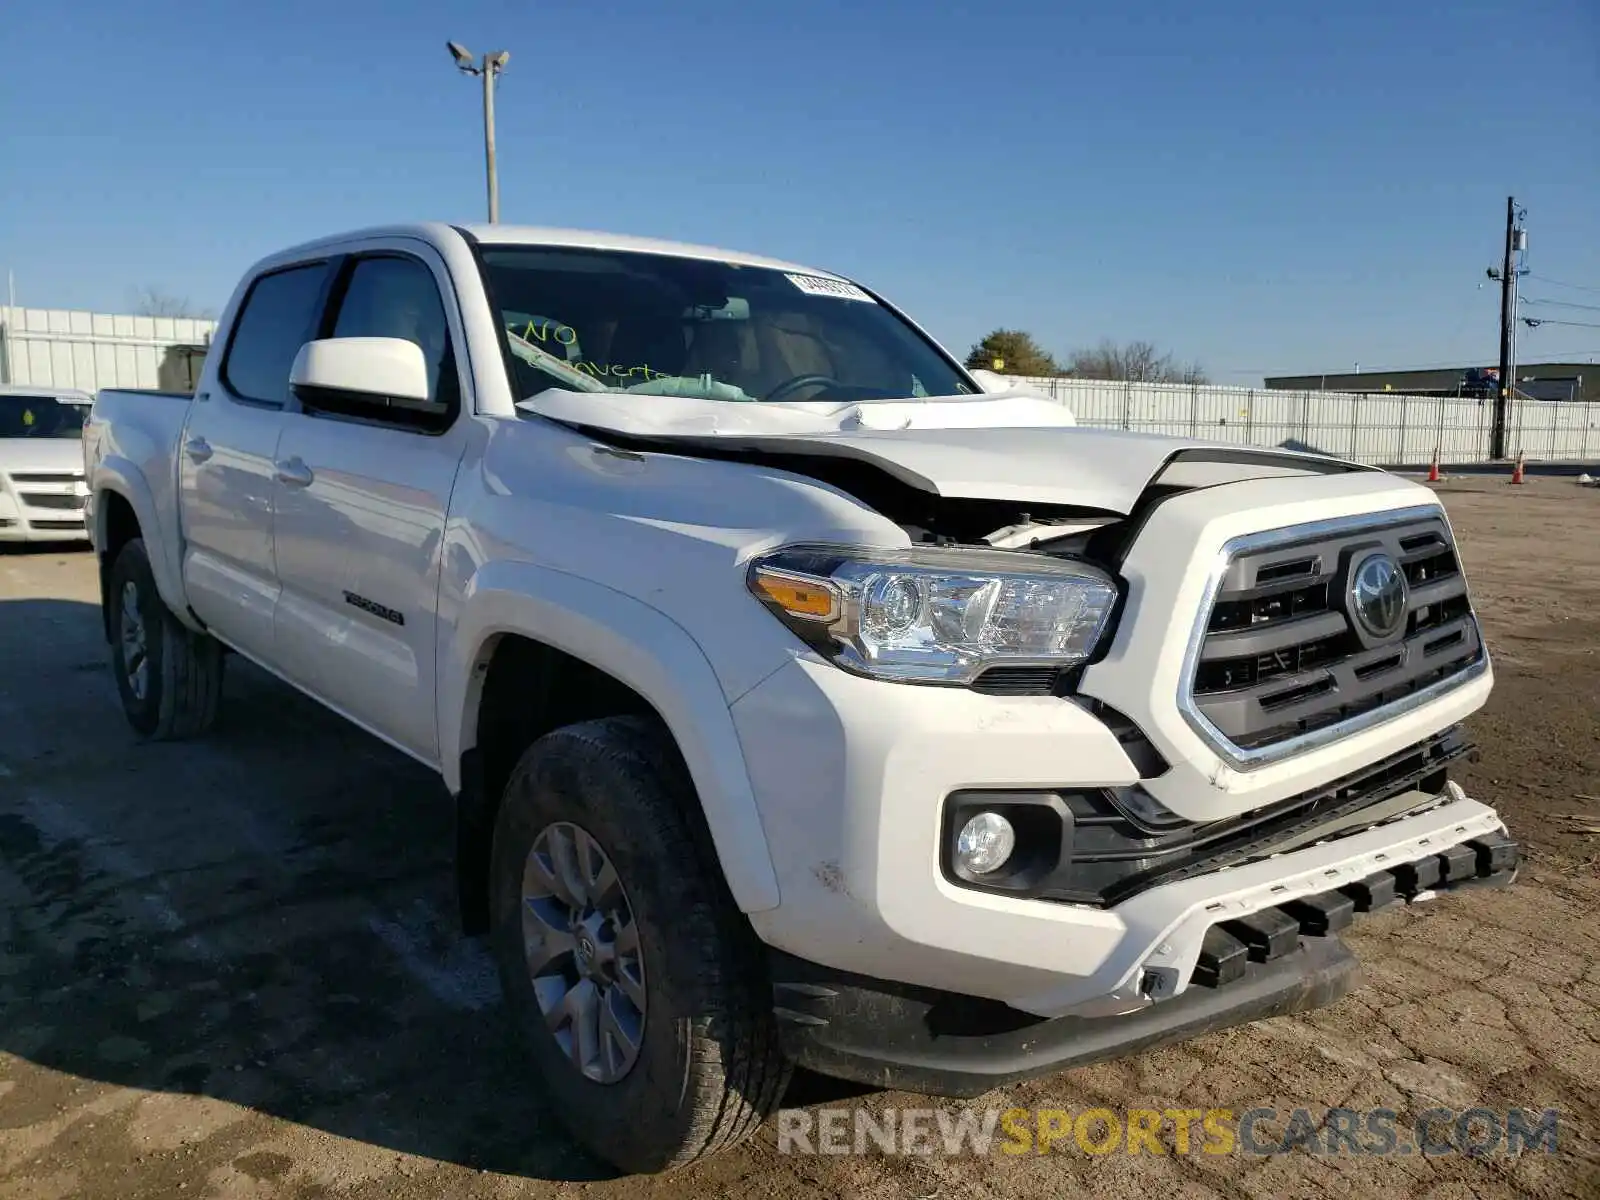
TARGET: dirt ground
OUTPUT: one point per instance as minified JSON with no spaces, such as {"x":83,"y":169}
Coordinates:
{"x":228,"y":969}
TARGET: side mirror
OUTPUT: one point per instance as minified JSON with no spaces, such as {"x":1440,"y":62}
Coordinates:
{"x":992,"y":384}
{"x":387,"y":372}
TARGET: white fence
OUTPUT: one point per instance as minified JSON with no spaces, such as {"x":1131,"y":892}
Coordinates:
{"x":1384,"y":430}
{"x":51,"y":347}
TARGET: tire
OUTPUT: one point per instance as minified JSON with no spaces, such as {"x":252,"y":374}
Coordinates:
{"x":169,"y":677}
{"x":708,"y":1069}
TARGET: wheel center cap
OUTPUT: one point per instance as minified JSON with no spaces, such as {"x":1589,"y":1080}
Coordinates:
{"x":586,"y":951}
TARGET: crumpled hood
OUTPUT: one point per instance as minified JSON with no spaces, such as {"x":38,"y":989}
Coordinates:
{"x":1015,"y":446}
{"x":41,"y":454}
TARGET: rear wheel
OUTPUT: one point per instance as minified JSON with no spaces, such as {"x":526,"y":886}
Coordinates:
{"x":169,"y":677}
{"x":637,"y":984}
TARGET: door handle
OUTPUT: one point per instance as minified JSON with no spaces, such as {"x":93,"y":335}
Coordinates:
{"x":293,"y":472}
{"x":198,"y":449}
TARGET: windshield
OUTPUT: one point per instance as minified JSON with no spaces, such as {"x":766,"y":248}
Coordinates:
{"x":653,"y":324}
{"x":41,"y":417}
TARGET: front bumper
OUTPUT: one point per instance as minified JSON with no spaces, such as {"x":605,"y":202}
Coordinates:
{"x":29,"y":522}
{"x":1283,"y":959}
{"x":852,"y":775}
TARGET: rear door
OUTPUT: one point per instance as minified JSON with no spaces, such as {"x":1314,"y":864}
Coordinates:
{"x":361,"y":504}
{"x":226,"y":459}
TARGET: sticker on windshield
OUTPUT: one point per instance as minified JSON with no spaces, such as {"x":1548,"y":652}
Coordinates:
{"x":813,"y":285}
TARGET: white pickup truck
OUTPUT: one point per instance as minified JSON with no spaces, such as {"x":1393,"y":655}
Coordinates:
{"x":807,"y":699}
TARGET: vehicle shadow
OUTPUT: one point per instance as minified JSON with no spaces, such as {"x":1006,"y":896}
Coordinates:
{"x":265,"y":917}
{"x":41,"y":549}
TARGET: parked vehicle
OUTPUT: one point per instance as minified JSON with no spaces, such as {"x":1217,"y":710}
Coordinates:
{"x":803,"y":702}
{"x":41,"y":463}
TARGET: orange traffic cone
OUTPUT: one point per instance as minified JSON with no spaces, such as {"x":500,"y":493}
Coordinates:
{"x":1516,"y":471}
{"x":1433,"y":471}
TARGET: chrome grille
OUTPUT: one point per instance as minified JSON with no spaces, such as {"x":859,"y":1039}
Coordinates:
{"x":1279,"y":662}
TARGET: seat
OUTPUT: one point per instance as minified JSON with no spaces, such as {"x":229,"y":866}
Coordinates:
{"x":645,"y":340}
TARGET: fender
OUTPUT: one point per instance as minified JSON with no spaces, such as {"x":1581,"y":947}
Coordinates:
{"x":643,"y":648}
{"x":120,"y":476}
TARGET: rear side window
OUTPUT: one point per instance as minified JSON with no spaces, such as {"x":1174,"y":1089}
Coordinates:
{"x":273,"y":323}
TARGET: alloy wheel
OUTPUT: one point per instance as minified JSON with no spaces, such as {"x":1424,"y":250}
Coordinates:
{"x":132,"y":634}
{"x":581,"y":946}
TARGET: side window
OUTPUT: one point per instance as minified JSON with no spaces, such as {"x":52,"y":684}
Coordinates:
{"x":273,"y":323}
{"x":398,"y":298}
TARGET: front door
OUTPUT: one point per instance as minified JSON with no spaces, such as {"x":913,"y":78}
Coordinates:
{"x":361,"y":507}
{"x":227,"y":456}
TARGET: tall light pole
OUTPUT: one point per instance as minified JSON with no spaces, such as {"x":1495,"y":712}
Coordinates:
{"x":491,"y":66}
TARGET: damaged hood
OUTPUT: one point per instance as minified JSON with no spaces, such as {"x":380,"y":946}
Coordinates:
{"x":1014,"y":446}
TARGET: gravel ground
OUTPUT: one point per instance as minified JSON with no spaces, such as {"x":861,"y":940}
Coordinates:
{"x":227,"y":973}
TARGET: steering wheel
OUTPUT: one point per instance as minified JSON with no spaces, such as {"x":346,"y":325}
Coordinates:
{"x":799,"y":381}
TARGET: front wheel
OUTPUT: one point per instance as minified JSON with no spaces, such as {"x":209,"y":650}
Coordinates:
{"x":637,"y":984}
{"x":169,"y":677}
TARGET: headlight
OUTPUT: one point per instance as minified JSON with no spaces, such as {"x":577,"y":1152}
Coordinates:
{"x":934,"y":615}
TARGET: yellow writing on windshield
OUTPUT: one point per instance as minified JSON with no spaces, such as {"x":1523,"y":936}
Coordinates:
{"x":543,"y":331}
{"x":614,"y":373}
{"x":565,"y":335}
{"x":27,"y":416}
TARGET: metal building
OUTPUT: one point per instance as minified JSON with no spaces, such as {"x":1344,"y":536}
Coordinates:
{"x":49,"y":347}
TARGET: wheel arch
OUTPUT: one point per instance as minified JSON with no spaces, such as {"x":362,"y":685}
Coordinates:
{"x":549,"y":649}
{"x":124,"y":509}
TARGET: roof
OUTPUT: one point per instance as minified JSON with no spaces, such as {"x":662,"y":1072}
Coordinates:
{"x":539,"y":235}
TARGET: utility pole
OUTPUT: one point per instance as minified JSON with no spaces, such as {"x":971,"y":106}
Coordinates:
{"x":491,"y":66}
{"x":1507,"y":273}
{"x":1508,"y":317}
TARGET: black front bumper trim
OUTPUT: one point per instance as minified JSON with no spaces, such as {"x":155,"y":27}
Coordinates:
{"x":1223,"y":958}
{"x":1270,"y":933}
{"x":1372,"y":893}
{"x":1273,"y":931}
{"x":1321,"y":915}
{"x":1496,"y":852}
{"x":938,"y":1043}
{"x":1282,"y":960}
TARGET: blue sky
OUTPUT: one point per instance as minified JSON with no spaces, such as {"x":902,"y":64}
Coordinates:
{"x":1262,"y":185}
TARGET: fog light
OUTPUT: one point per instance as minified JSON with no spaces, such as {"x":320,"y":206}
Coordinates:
{"x":984,"y":844}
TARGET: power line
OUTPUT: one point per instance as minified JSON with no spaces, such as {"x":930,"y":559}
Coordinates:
{"x":1299,"y":373}
{"x":1444,"y":364}
{"x":1580,"y":287}
{"x":1276,"y":372}
{"x":1565,"y":304}
{"x":1535,"y":322}
{"x":1556,"y":356}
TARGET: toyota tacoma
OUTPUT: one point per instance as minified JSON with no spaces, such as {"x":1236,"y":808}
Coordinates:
{"x":806,"y":699}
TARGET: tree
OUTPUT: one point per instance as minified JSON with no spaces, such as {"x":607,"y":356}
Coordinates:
{"x":1139,"y":362}
{"x":153,"y":302}
{"x":1017,"y":354}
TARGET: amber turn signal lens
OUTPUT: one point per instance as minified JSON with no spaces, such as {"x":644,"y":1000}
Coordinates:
{"x":797,"y":595}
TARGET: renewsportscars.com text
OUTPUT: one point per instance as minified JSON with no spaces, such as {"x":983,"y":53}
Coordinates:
{"x":1374,"y":1132}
